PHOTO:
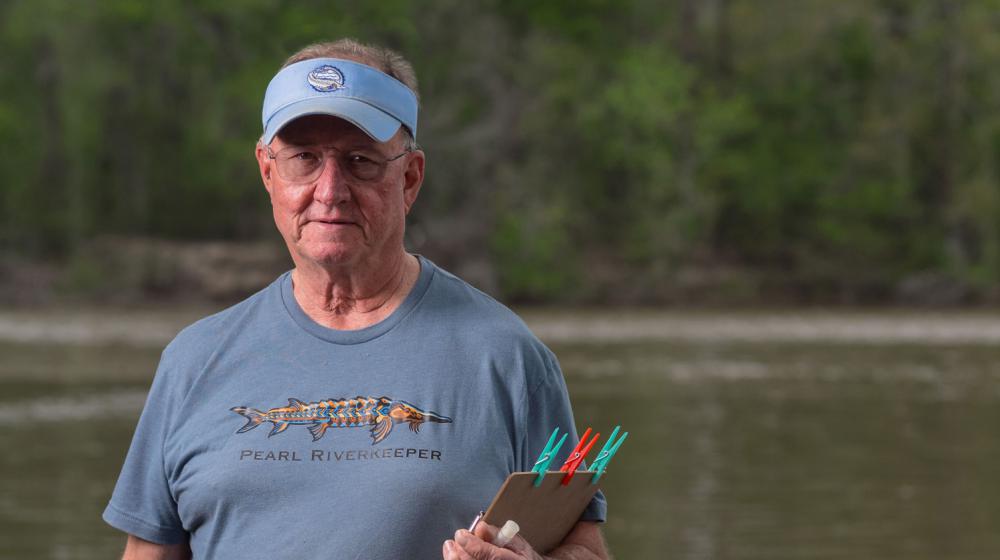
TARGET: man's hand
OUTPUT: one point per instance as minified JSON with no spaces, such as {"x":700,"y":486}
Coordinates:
{"x":584,"y":542}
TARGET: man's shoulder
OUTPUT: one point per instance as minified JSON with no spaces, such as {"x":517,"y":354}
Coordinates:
{"x":209,"y":332}
{"x":472,"y":310}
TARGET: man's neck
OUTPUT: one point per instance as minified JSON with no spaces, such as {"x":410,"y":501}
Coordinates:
{"x":351,"y":298}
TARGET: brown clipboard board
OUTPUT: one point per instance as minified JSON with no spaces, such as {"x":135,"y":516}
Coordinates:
{"x":545,"y":514}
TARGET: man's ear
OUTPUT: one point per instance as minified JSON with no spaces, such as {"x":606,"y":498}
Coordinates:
{"x":265,"y":164}
{"x":414,"y":178}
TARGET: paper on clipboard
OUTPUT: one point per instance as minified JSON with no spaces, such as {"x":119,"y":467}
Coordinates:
{"x":545,"y":513}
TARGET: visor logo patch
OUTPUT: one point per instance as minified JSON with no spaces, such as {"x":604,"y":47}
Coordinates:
{"x":326,"y":78}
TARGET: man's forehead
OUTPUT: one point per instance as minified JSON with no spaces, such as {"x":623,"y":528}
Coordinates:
{"x":313,"y":129}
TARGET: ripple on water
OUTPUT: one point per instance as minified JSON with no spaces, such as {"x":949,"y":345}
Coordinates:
{"x":60,"y":409}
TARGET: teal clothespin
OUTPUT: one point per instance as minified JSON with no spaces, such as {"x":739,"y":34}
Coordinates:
{"x":548,"y":454}
{"x":545,"y":451}
{"x":600,"y":464}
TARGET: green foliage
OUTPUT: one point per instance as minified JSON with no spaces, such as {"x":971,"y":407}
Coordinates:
{"x":848,"y":143}
{"x":535,"y":252}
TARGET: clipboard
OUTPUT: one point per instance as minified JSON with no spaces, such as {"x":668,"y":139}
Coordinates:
{"x":546,"y":513}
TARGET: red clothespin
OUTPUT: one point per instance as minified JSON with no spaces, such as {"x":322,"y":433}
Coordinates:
{"x":576,"y":457}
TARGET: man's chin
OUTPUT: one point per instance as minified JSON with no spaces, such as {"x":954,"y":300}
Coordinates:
{"x":330,"y":254}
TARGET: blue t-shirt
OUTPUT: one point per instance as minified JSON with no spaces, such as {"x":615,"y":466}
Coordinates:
{"x":267,"y":435}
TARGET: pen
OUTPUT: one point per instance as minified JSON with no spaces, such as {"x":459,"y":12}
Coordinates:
{"x":506,"y":533}
{"x":476,"y":521}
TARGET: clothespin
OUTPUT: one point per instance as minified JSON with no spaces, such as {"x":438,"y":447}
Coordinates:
{"x":545,"y":452}
{"x":576,"y":457}
{"x":548,"y":454}
{"x":600,"y":464}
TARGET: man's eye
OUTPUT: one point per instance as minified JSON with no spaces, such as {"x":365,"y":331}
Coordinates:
{"x":304,"y":156}
{"x":360,"y":159}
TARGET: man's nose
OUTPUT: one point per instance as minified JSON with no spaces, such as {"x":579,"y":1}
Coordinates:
{"x":331,"y":186}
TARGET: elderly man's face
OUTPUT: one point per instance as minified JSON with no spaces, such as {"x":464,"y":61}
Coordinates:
{"x":338,"y":218}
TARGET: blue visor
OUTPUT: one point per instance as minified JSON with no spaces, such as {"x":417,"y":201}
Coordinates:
{"x":372,"y":100}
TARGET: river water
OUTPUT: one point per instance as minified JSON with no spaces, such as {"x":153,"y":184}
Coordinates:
{"x":752,"y":435}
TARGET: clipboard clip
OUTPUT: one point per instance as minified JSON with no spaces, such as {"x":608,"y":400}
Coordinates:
{"x":607,"y":452}
{"x":576,"y":457}
{"x":548,"y":454}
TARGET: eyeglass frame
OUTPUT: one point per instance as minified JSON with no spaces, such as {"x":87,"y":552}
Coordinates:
{"x":382,"y":166}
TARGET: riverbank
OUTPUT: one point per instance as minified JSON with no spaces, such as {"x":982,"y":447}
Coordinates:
{"x":154,"y":327}
{"x":136,"y":271}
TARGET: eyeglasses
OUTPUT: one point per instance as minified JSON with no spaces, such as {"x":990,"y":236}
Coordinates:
{"x":304,"y":164}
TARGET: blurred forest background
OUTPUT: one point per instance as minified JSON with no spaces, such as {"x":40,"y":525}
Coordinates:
{"x":710,"y":151}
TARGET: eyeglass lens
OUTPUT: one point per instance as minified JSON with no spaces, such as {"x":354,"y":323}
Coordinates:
{"x":305,"y":164}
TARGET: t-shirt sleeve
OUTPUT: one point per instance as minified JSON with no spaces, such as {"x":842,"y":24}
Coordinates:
{"x":142,"y":504}
{"x":548,"y":407}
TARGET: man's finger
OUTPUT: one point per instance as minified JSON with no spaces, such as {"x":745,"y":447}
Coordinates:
{"x":479,"y":549}
{"x":486,"y":531}
{"x":522,"y":547}
{"x":452,"y":551}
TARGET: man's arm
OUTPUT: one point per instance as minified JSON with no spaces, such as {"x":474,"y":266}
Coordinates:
{"x":138,"y":549}
{"x":584,"y":542}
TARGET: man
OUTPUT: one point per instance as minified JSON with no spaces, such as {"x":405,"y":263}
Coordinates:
{"x":239,"y":452}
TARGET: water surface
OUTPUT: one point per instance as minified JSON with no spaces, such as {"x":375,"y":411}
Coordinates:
{"x":745,"y":448}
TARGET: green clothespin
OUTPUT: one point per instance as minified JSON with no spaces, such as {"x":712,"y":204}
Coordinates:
{"x":600,"y":464}
{"x":548,"y":454}
{"x":545,"y":451}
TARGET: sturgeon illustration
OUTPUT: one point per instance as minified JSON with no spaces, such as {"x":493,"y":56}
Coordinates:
{"x":382,"y":413}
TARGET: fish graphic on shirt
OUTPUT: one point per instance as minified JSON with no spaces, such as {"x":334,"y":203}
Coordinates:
{"x":381,"y":413}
